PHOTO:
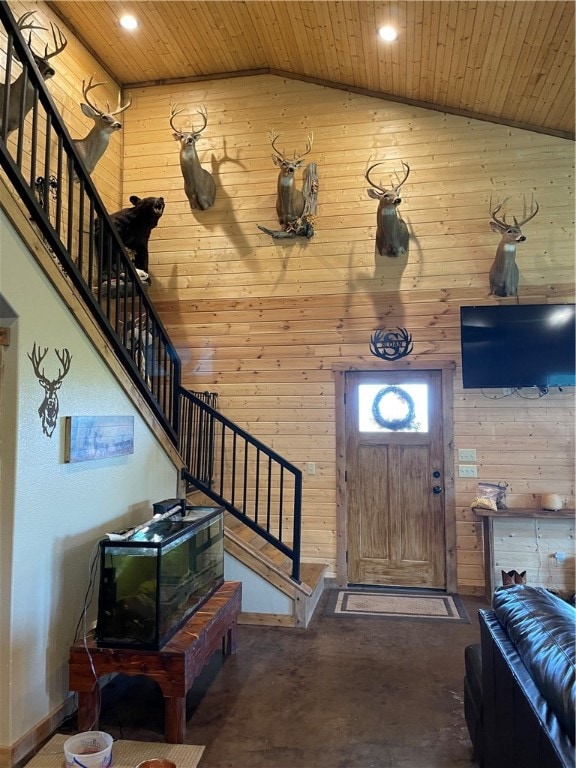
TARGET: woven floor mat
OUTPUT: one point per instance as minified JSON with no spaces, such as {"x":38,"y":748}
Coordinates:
{"x":125,"y":754}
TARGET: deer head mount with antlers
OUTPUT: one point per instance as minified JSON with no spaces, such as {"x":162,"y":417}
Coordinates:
{"x":94,"y":144}
{"x":19,"y":103}
{"x":295,"y":208}
{"x":504,"y":274}
{"x":199,"y":185}
{"x":48,"y":410}
{"x":392,"y":234}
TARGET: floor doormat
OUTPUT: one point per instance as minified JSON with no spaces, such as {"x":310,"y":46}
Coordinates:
{"x":125,"y":754}
{"x":391,"y":604}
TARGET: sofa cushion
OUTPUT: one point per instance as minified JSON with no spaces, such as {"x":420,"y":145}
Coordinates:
{"x":543,"y":629}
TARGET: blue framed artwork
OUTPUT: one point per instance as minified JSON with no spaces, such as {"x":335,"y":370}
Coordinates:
{"x":98,"y":437}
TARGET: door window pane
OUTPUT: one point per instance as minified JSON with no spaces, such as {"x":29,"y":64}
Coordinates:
{"x":393,"y":407}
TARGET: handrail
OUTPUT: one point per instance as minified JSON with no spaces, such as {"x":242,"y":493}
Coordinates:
{"x":250,"y":480}
{"x":51,"y":180}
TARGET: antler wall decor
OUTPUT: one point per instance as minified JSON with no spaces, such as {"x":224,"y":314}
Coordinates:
{"x":392,"y":234}
{"x":504,"y":272}
{"x":48,"y":410}
{"x":296,"y":209}
{"x":391,"y":345}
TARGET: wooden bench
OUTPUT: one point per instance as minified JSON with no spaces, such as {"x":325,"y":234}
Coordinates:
{"x":174,"y":667}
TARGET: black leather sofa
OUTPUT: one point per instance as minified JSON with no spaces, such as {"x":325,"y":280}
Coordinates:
{"x":520,"y":682}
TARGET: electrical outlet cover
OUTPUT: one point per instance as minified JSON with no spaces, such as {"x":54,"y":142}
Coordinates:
{"x":467,"y":470}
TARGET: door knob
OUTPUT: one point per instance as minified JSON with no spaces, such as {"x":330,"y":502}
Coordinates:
{"x":437,"y":489}
{"x":436,"y":473}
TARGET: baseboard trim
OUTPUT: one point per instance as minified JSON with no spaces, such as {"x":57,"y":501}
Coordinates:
{"x":27,"y":746}
{"x":267,"y":620}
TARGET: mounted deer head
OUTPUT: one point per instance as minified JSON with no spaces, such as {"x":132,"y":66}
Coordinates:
{"x":290,"y":201}
{"x":48,"y":410}
{"x":504,"y":270}
{"x":392,"y":234}
{"x":95,"y":143}
{"x":199,"y":185}
{"x":17,"y":110}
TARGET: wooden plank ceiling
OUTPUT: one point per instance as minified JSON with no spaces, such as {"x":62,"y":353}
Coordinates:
{"x":511,"y":62}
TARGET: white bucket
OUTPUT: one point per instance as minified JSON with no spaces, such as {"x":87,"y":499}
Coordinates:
{"x":92,"y":749}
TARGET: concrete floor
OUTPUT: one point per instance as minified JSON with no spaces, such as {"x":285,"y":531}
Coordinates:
{"x":345,"y":693}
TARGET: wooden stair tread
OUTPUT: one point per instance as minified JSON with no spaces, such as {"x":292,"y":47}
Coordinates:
{"x":310,"y":573}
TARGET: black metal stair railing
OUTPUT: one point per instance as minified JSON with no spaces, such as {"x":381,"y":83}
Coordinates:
{"x":40,"y":161}
{"x":247,"y":478}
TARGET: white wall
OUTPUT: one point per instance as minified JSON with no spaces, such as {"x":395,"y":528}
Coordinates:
{"x":53,"y":514}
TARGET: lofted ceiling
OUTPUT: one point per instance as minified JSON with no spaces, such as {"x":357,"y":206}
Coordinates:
{"x":510,"y":62}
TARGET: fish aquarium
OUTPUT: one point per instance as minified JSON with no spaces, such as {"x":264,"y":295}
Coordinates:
{"x":153,"y":578}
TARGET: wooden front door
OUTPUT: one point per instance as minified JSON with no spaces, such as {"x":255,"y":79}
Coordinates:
{"x":395,"y":478}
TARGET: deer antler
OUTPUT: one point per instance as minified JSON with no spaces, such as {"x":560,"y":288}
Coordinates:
{"x":22,"y":22}
{"x":383,"y":189}
{"x":65,"y":358}
{"x":530,"y":215}
{"x":174,"y":111}
{"x":119,"y":109}
{"x":309,"y":140}
{"x":369,"y":180}
{"x":204,"y":115}
{"x":59,"y":44}
{"x":282,"y":156}
{"x":90,"y":87}
{"x":273,"y":139}
{"x":493,"y":211}
{"x":36,"y":358}
{"x":398,"y":186}
{"x":534,"y":208}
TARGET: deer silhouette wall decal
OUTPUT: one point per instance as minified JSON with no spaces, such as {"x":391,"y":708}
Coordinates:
{"x":48,"y":410}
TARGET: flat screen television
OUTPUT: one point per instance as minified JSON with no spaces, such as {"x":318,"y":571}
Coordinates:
{"x":518,"y":345}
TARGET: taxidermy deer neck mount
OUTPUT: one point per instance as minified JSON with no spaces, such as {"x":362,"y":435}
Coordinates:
{"x":295,"y":208}
{"x":504,"y":270}
{"x":199,"y":185}
{"x":95,"y":143}
{"x":391,"y":231}
{"x":20,"y":104}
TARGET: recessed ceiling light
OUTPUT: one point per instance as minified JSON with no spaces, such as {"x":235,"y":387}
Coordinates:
{"x":128,"y":22}
{"x":388,"y":33}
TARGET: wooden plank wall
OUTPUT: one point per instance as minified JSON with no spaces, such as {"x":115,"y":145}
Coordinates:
{"x":533,"y":544}
{"x":262,"y":321}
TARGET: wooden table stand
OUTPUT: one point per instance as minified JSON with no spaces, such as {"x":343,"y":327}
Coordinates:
{"x":174,"y":667}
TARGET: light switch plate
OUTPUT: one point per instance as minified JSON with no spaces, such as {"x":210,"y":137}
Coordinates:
{"x":467,"y":470}
{"x":466,"y":454}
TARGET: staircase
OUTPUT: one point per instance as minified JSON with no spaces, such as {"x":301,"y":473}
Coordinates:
{"x":271,"y":575}
{"x":259,"y":490}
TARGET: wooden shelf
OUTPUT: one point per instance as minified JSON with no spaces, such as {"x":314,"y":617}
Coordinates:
{"x":521,"y":512}
{"x":489,"y":515}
